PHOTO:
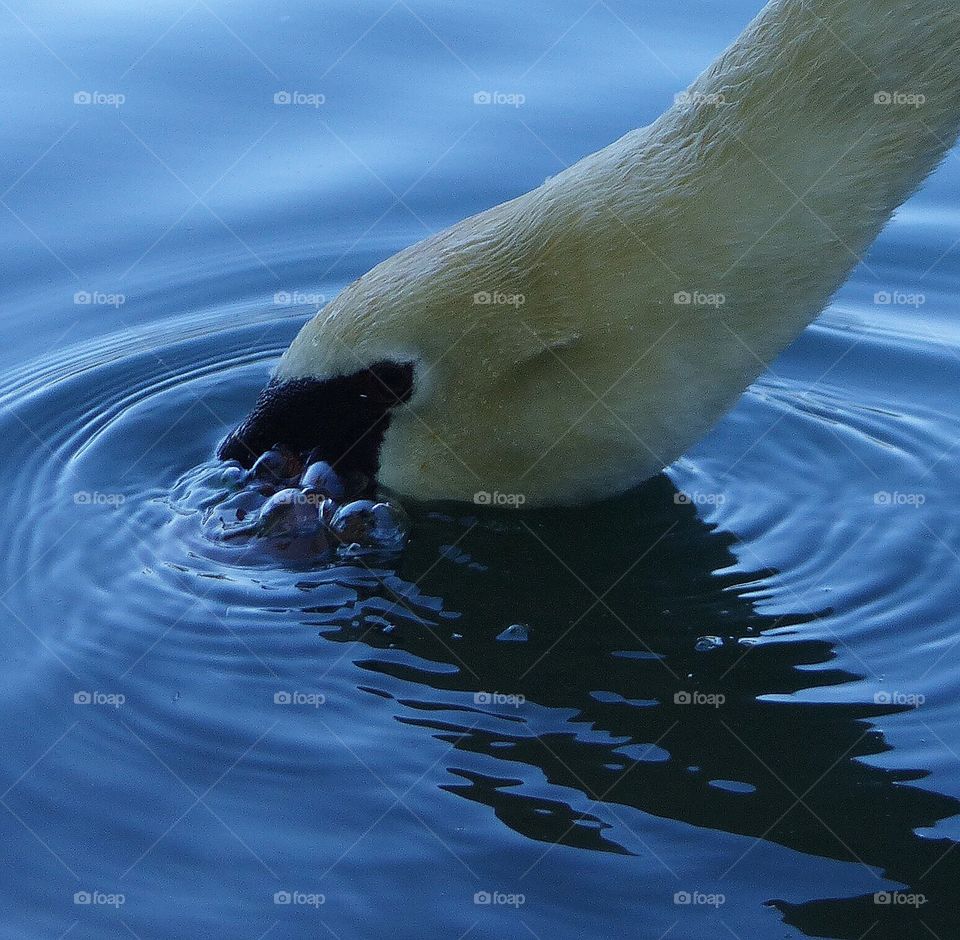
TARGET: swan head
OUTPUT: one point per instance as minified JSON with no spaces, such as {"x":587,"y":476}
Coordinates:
{"x":383,"y":379}
{"x":444,"y":372}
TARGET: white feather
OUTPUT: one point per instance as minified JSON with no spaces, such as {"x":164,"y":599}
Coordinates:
{"x":765,"y":186}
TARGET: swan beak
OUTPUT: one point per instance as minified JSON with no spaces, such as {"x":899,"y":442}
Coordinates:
{"x":282,"y":415}
{"x":342,"y":419}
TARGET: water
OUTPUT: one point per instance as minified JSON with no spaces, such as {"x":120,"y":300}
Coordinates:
{"x":733,"y":687}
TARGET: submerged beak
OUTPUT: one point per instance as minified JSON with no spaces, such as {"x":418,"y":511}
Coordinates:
{"x":283,"y":414}
{"x":343,"y":419}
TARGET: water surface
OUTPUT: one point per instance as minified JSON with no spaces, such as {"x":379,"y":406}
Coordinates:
{"x":735,"y":710}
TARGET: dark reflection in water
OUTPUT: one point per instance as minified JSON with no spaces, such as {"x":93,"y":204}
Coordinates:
{"x":687,"y":730}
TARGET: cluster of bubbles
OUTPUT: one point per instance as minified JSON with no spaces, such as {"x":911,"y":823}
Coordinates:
{"x":293,"y":506}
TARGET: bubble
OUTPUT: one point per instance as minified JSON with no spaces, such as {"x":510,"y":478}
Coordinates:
{"x":276,"y":466}
{"x":233,"y":477}
{"x":322,"y":478}
{"x":296,"y":507}
{"x":707,"y":643}
{"x":391,"y":525}
{"x":287,"y":513}
{"x":365,"y":525}
{"x":353,"y":522}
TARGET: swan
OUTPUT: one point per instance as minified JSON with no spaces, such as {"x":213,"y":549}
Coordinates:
{"x":568,"y":344}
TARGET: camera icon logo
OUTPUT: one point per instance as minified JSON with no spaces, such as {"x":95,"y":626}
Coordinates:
{"x":883,"y":97}
{"x":483,"y":897}
{"x":482,"y":698}
{"x":282,"y":97}
{"x":282,"y":897}
{"x":683,"y":298}
{"x":482,"y":498}
{"x":82,"y":698}
{"x":83,"y":897}
{"x":282,"y":698}
{"x":683,"y":897}
{"x":682,"y":698}
{"x":482,"y":97}
{"x":82,"y":97}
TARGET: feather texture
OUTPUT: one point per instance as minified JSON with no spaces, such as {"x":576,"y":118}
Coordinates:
{"x":574,"y":341}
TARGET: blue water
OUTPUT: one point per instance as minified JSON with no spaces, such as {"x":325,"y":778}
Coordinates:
{"x":190,"y":740}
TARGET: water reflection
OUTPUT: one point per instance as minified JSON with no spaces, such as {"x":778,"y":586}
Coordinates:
{"x":611,"y":696}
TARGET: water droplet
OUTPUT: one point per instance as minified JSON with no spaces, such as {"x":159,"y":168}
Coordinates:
{"x":732,"y":786}
{"x":515,"y":633}
{"x":707,"y":643}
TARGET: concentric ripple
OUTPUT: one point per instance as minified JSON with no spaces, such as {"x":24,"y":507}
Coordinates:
{"x":610,"y":681}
